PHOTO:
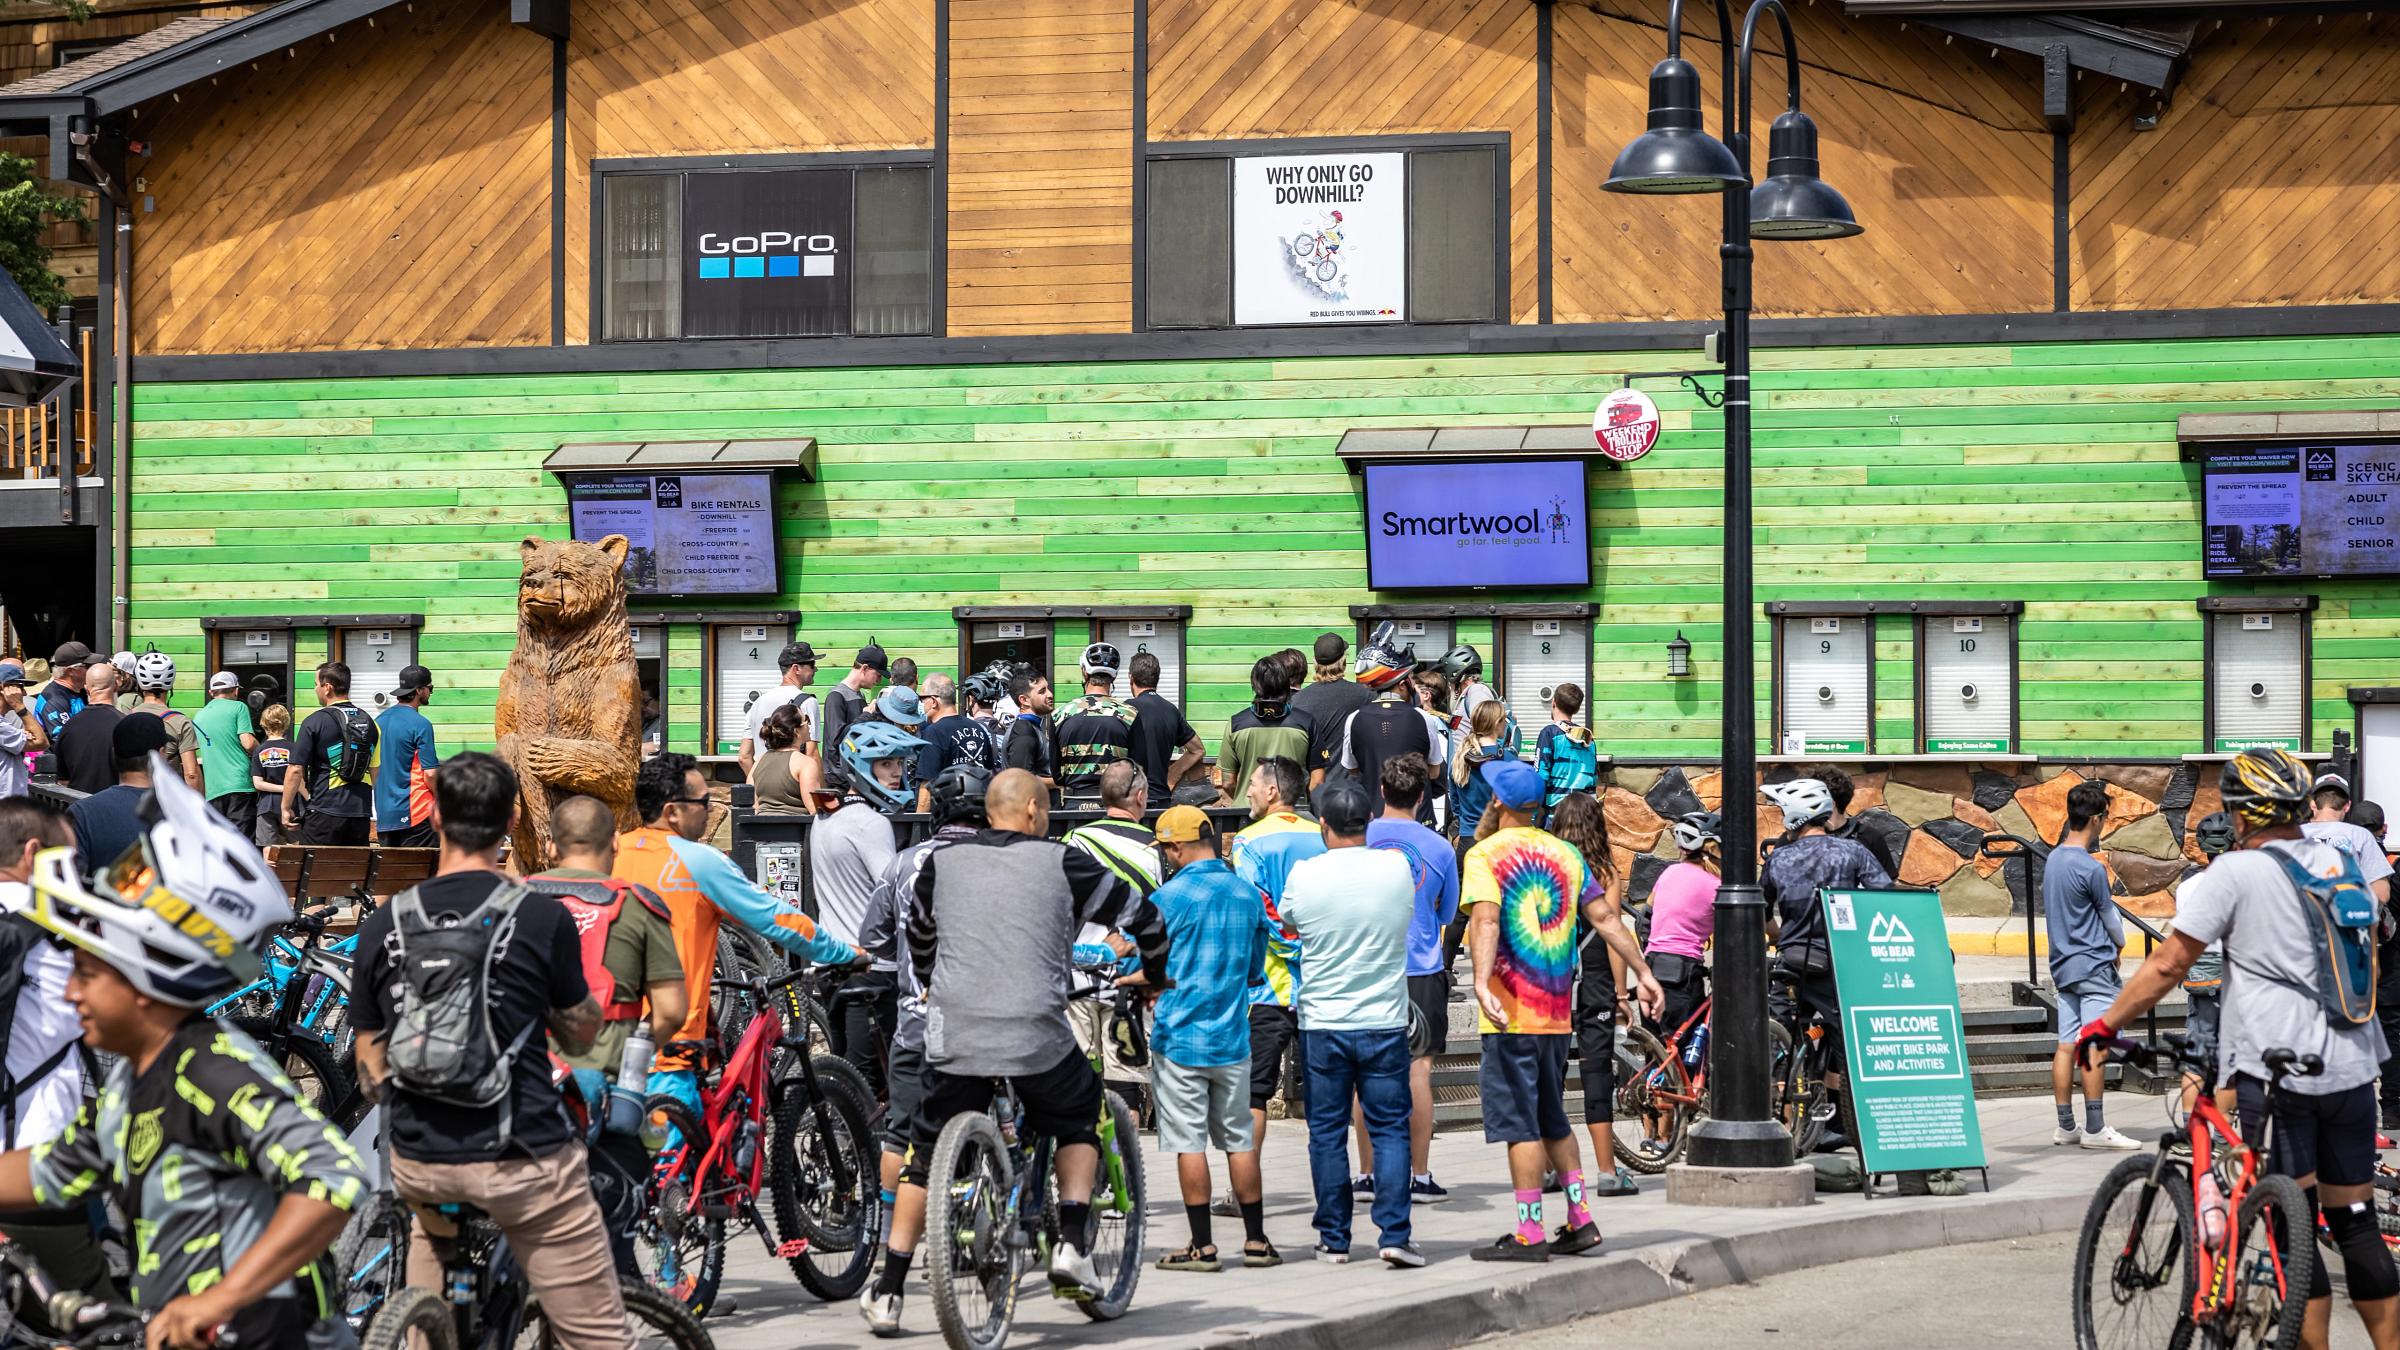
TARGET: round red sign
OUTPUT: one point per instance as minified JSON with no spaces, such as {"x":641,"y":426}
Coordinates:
{"x":1626,"y":425}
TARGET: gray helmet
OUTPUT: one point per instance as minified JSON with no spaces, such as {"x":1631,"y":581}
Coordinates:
{"x":1101,"y":658}
{"x":1696,"y":830}
{"x":1460,"y":662}
{"x":1805,"y":801}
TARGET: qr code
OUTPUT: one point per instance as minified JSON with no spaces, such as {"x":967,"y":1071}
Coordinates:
{"x":1839,"y":914}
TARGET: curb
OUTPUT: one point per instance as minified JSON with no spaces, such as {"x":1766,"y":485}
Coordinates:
{"x":2012,"y":942}
{"x":1652,"y":1274}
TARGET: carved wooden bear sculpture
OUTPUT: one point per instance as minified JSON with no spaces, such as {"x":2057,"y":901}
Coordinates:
{"x":569,"y":717}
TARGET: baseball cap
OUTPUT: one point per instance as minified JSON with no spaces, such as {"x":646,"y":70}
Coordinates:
{"x":2330,"y":780}
{"x":872,"y":657}
{"x":1182,"y":825}
{"x":1331,"y":648}
{"x":1513,"y":782}
{"x":900,"y":706}
{"x":224,"y":681}
{"x":414,"y":678}
{"x":122,"y":661}
{"x":70,"y":654}
{"x":137,"y":734}
{"x":12,"y":673}
{"x":1343,"y":806}
{"x":797,"y":654}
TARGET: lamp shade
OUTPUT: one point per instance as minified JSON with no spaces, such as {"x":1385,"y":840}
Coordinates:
{"x":1675,"y":155}
{"x":1792,"y":202}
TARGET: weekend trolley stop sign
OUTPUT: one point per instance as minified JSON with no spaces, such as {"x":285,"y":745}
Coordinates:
{"x":1903,"y":1035}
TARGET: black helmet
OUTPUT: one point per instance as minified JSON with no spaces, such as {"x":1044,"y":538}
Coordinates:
{"x":985,"y":688}
{"x":2214,"y":833}
{"x":2265,"y":787}
{"x":1461,"y":662}
{"x":1101,"y":658}
{"x":957,"y":794}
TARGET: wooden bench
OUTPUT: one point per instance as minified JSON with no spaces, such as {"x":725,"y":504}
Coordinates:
{"x":345,"y":874}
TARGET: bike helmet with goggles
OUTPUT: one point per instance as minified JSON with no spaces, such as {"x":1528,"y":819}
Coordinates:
{"x":863,"y":744}
{"x":1100,"y":659}
{"x":1382,"y":662}
{"x":181,"y":913}
{"x":1460,"y":662}
{"x":1805,"y":801}
{"x":958,"y":792}
{"x":154,"y":670}
{"x":2265,"y":787}
{"x":1696,"y":830}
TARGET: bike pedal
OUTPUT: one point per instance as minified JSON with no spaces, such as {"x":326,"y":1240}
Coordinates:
{"x":792,"y":1248}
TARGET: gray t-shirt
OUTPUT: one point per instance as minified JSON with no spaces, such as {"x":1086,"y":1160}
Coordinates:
{"x":848,"y":852}
{"x":2245,"y":900}
{"x":2355,"y":841}
{"x":2084,"y":928}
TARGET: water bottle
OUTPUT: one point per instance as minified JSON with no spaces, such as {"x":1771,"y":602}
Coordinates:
{"x":632,"y":1088}
{"x":2212,"y":1211}
{"x":1695,"y":1055}
{"x":745,"y":1149}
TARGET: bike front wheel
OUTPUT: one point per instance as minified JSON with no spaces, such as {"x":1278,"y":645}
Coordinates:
{"x":1654,"y":1107}
{"x":973,"y":1267}
{"x":2268,"y":1269}
{"x":2136,"y":1261}
{"x":372,"y":1254}
{"x":1117,"y":1208}
{"x":824,"y":1169}
{"x":414,"y":1319}
{"x":309,"y":1063}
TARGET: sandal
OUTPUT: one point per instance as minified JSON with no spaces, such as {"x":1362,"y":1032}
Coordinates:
{"x":1260,"y":1254}
{"x":1194,"y":1257}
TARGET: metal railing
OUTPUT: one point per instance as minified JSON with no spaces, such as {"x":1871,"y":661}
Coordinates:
{"x":2009,"y":847}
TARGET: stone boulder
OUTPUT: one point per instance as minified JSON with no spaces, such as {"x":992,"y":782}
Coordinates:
{"x":1631,"y":822}
{"x":2143,"y":874}
{"x":1992,"y":790}
{"x":1950,"y":780}
{"x":1866,"y":791}
{"x":2146,"y":781}
{"x":1964,"y":839}
{"x":1970,"y":894}
{"x":1635,"y":778}
{"x":2147,"y":836}
{"x":2177,"y":796}
{"x":1928,"y":862}
{"x":1709,"y":787}
{"x":1914,"y":804}
{"x":1646,"y":869}
{"x":1672,"y":796}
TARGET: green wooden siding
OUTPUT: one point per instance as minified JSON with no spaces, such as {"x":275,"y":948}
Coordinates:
{"x":2042,"y":473}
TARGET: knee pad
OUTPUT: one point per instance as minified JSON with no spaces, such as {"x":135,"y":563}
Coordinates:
{"x":2365,"y":1257}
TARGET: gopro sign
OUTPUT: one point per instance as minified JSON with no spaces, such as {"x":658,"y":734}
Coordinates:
{"x":784,"y":235}
{"x":769,"y":253}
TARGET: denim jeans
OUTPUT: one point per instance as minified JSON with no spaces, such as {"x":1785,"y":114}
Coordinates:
{"x":1373,"y":1066}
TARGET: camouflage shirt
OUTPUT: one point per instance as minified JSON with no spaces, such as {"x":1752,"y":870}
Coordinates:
{"x":200,"y":1150}
{"x":1796,"y":872}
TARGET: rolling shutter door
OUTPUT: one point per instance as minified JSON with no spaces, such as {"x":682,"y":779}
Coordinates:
{"x":744,"y":669}
{"x":1962,"y":654}
{"x":2379,"y":756}
{"x":1822,"y":688}
{"x":375,"y":656}
{"x":1431,"y":638}
{"x":1537,"y":656}
{"x":2260,"y":697}
{"x":1160,"y":638}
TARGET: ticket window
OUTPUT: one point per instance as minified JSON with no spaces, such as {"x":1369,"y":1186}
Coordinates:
{"x":1537,"y":656}
{"x":1823,"y":703}
{"x":375,"y":657}
{"x":1967,"y":684}
{"x":1432,"y":638}
{"x":1162,"y":638}
{"x":742,"y":669}
{"x":650,"y":672}
{"x":1025,"y":641}
{"x":261,"y":658}
{"x":2258,"y":681}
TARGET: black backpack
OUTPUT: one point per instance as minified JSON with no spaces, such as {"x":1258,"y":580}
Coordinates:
{"x":19,"y":936}
{"x":442,"y":1045}
{"x":358,"y":745}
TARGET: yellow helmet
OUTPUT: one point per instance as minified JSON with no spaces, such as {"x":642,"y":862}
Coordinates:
{"x":2264,"y":788}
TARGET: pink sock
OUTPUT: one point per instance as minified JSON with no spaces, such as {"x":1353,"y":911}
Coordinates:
{"x":1529,"y":1217}
{"x":1578,"y":1214}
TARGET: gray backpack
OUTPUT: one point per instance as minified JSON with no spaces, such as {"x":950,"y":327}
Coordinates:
{"x":442,"y":1045}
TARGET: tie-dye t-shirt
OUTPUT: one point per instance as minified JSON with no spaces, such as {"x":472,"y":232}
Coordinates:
{"x":1539,"y":881}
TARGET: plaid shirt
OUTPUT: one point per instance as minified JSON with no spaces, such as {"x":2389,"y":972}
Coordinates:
{"x":1216,"y":941}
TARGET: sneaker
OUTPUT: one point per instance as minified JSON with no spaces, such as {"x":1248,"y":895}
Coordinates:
{"x":1362,"y":1187}
{"x":2066,"y":1135}
{"x":1333,"y":1257}
{"x":1508,"y":1248}
{"x":1403,"y":1257}
{"x":1551,"y":1185}
{"x":1071,"y":1274}
{"x":1225,"y":1206}
{"x":881,"y":1311}
{"x":1575,"y":1241}
{"x":1426,"y":1191}
{"x":2110,"y":1139}
{"x":1610,"y":1185}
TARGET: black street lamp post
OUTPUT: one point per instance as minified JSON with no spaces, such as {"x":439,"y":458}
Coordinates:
{"x":1677,"y":155}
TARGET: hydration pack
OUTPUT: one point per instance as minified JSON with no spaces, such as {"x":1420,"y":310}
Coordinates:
{"x":442,"y":1045}
{"x":2340,"y":915}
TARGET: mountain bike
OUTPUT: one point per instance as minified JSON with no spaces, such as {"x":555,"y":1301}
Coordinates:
{"x":305,"y":1028}
{"x":807,"y":1135}
{"x":1662,"y":1090}
{"x":990,"y":1215}
{"x":65,"y":1317}
{"x":2195,"y":1238}
{"x":1797,"y":1061}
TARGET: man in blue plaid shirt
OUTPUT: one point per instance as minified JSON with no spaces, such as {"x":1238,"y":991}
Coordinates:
{"x":1217,"y":928}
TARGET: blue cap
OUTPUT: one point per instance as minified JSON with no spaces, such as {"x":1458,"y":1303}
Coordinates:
{"x":12,"y":673}
{"x":1513,"y":782}
{"x":900,"y":707}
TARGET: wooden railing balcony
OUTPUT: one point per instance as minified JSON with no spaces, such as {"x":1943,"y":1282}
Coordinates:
{"x":40,"y":440}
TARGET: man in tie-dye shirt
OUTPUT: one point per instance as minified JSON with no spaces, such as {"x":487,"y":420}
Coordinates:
{"x":1523,"y":886}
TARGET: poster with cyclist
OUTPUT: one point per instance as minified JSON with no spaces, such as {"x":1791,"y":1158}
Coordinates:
{"x":1320,"y":238}
{"x":1903,"y":1035}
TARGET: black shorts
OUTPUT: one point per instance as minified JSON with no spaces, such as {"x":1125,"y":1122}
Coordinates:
{"x":348,"y":831}
{"x":1273,"y":1029}
{"x":1431,"y":994}
{"x":1062,"y":1102}
{"x":906,"y":1109}
{"x":2331,"y":1137}
{"x":413,"y":836}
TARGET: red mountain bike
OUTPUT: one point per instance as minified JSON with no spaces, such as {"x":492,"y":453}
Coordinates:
{"x":2195,"y":1238}
{"x":778,"y":1119}
{"x":1662,"y":1089}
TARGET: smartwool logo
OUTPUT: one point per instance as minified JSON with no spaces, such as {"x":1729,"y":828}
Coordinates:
{"x":1533,"y":523}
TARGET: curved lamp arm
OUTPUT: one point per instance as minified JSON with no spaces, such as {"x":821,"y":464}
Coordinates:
{"x":1724,"y":45}
{"x":1791,"y":58}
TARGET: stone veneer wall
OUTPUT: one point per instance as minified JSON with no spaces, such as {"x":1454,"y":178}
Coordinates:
{"x":1934,"y":816}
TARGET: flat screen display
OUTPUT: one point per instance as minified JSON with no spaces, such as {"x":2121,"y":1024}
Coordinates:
{"x":689,"y":533}
{"x":2301,"y":510}
{"x":1477,"y":526}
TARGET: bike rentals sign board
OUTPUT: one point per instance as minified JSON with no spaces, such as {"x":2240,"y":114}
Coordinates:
{"x":1320,"y":238}
{"x":1902,"y":1033}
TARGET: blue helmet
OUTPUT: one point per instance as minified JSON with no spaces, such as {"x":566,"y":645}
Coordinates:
{"x":863,"y":743}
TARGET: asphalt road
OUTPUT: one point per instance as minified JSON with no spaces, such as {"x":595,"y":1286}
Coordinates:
{"x":1993,"y":1296}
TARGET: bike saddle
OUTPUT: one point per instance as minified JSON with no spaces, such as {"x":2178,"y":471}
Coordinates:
{"x":2280,"y":1060}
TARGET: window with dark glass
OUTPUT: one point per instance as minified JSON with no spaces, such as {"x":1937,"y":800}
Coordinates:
{"x":799,"y":251}
{"x":1311,"y":235}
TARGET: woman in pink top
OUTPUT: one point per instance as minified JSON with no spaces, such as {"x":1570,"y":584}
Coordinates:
{"x":1682,"y":915}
